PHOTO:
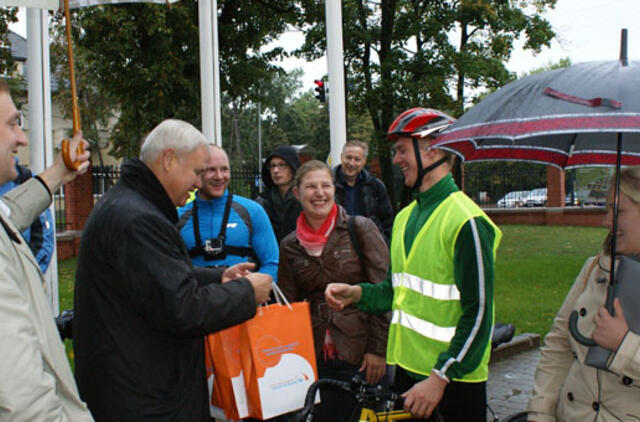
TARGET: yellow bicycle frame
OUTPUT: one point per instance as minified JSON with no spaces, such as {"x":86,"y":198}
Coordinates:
{"x":368,"y":415}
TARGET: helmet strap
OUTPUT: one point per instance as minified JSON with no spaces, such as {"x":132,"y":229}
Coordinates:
{"x":423,"y":171}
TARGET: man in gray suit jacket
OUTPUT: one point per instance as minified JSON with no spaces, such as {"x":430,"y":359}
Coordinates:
{"x":36,"y":383}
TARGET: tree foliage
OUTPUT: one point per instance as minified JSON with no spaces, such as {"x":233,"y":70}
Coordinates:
{"x":439,"y":54}
{"x":8,"y":15}
{"x":145,"y":59}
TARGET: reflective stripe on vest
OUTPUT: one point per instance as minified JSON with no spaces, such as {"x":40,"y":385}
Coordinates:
{"x":426,"y":304}
{"x":426,"y":287}
{"x":425,"y":328}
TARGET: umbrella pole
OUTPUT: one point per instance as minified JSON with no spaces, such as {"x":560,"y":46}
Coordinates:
{"x":75,"y":111}
{"x":573,"y":318}
{"x":614,"y":229}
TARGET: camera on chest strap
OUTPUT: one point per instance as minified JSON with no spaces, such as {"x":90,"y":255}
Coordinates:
{"x":213,"y":249}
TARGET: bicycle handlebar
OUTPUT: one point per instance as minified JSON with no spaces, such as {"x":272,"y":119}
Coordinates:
{"x":305,"y":414}
{"x":367,"y":395}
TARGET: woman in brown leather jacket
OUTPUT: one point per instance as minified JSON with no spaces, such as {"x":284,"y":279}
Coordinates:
{"x":320,"y":252}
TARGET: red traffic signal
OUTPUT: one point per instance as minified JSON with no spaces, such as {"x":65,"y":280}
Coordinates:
{"x":320,"y":90}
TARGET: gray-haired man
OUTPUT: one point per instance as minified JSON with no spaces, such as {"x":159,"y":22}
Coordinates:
{"x":142,"y":309}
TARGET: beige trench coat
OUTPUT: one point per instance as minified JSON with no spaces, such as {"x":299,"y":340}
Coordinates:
{"x":36,"y":383}
{"x":565,"y":389}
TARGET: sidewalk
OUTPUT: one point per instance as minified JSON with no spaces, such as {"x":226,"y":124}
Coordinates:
{"x":511,"y":381}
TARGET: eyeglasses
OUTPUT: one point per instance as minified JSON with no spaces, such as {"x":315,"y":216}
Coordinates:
{"x":278,"y":166}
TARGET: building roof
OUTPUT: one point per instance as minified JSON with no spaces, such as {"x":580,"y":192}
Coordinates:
{"x":18,"y":45}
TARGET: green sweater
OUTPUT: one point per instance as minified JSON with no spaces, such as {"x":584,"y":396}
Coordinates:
{"x":378,"y":298}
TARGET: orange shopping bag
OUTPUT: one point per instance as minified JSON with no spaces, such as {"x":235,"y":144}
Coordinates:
{"x":224,"y":374}
{"x":278,"y":358}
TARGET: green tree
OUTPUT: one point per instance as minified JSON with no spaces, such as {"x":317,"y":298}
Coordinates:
{"x":97,"y":107}
{"x":562,"y":63}
{"x":145,"y":58}
{"x":404,"y":53}
{"x":8,"y":15}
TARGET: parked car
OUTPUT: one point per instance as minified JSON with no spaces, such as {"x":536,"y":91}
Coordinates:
{"x":571,"y":200}
{"x":513,"y":199}
{"x":536,"y":198}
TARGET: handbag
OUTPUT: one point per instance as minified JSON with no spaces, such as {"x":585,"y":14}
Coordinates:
{"x":278,"y":357}
{"x":228,"y":396}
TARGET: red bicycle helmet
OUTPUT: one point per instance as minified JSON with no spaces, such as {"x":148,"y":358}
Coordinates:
{"x":419,"y":122}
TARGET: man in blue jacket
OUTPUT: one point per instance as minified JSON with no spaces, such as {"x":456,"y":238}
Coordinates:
{"x":40,"y":235}
{"x":222,"y":229}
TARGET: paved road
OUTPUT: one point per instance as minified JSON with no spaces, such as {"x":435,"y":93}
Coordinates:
{"x":510,"y":383}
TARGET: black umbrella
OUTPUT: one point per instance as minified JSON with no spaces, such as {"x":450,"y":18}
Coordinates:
{"x":583,"y":115}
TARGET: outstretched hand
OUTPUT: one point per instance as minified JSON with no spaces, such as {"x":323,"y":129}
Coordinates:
{"x":340,"y":295}
{"x":610,"y":329}
{"x":58,"y":173}
{"x":236,"y":271}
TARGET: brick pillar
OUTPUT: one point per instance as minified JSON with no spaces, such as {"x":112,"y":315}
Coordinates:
{"x":78,"y":200}
{"x":555,"y":187}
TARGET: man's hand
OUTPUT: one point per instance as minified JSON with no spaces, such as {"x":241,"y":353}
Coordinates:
{"x":610,"y":330}
{"x":239,"y":270}
{"x":375,"y":366}
{"x":58,"y":173}
{"x":422,"y":399}
{"x":340,"y":295}
{"x":261,"y":286}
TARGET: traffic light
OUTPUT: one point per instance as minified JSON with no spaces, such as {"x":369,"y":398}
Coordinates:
{"x":320,"y":90}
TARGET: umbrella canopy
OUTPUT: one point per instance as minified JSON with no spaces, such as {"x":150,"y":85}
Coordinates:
{"x":567,"y":118}
{"x":583,"y":115}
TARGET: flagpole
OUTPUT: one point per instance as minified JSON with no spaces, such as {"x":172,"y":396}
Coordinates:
{"x":40,"y":133}
{"x":206,"y":68}
{"x":335,"y":63}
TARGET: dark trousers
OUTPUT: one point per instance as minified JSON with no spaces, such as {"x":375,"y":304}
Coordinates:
{"x":461,"y":402}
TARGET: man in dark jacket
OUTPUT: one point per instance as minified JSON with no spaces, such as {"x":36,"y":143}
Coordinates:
{"x":277,"y":174}
{"x":142,"y":309}
{"x":360,"y":192}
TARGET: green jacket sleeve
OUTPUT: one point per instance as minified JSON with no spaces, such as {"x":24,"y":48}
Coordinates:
{"x":376,"y":298}
{"x":474,"y":274}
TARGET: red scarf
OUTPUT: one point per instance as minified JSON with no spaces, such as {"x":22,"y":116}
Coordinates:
{"x":313,"y":241}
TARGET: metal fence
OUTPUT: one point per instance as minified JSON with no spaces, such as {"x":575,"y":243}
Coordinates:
{"x":104,"y":177}
{"x":491,"y":184}
{"x":244,"y":181}
{"x":59,"y":206}
{"x":507,"y":184}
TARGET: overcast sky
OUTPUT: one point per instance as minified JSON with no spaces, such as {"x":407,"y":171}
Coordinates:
{"x":586,"y":30}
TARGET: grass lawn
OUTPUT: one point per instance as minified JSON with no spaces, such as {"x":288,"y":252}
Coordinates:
{"x":66,"y":277}
{"x":535,"y":268}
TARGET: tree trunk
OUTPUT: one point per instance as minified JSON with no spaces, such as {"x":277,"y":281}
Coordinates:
{"x":385,"y":117}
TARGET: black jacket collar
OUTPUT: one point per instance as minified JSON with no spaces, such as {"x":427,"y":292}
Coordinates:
{"x":138,"y":177}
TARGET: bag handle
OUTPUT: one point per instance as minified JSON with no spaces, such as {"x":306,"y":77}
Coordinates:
{"x":279,"y":296}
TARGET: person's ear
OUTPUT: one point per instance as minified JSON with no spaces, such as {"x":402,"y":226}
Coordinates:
{"x":169,"y":159}
{"x":296,"y":193}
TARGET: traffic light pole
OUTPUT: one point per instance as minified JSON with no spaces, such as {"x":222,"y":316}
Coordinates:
{"x":335,"y":64}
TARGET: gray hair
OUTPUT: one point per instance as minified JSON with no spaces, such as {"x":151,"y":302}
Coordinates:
{"x":359,"y":144}
{"x":171,"y":133}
